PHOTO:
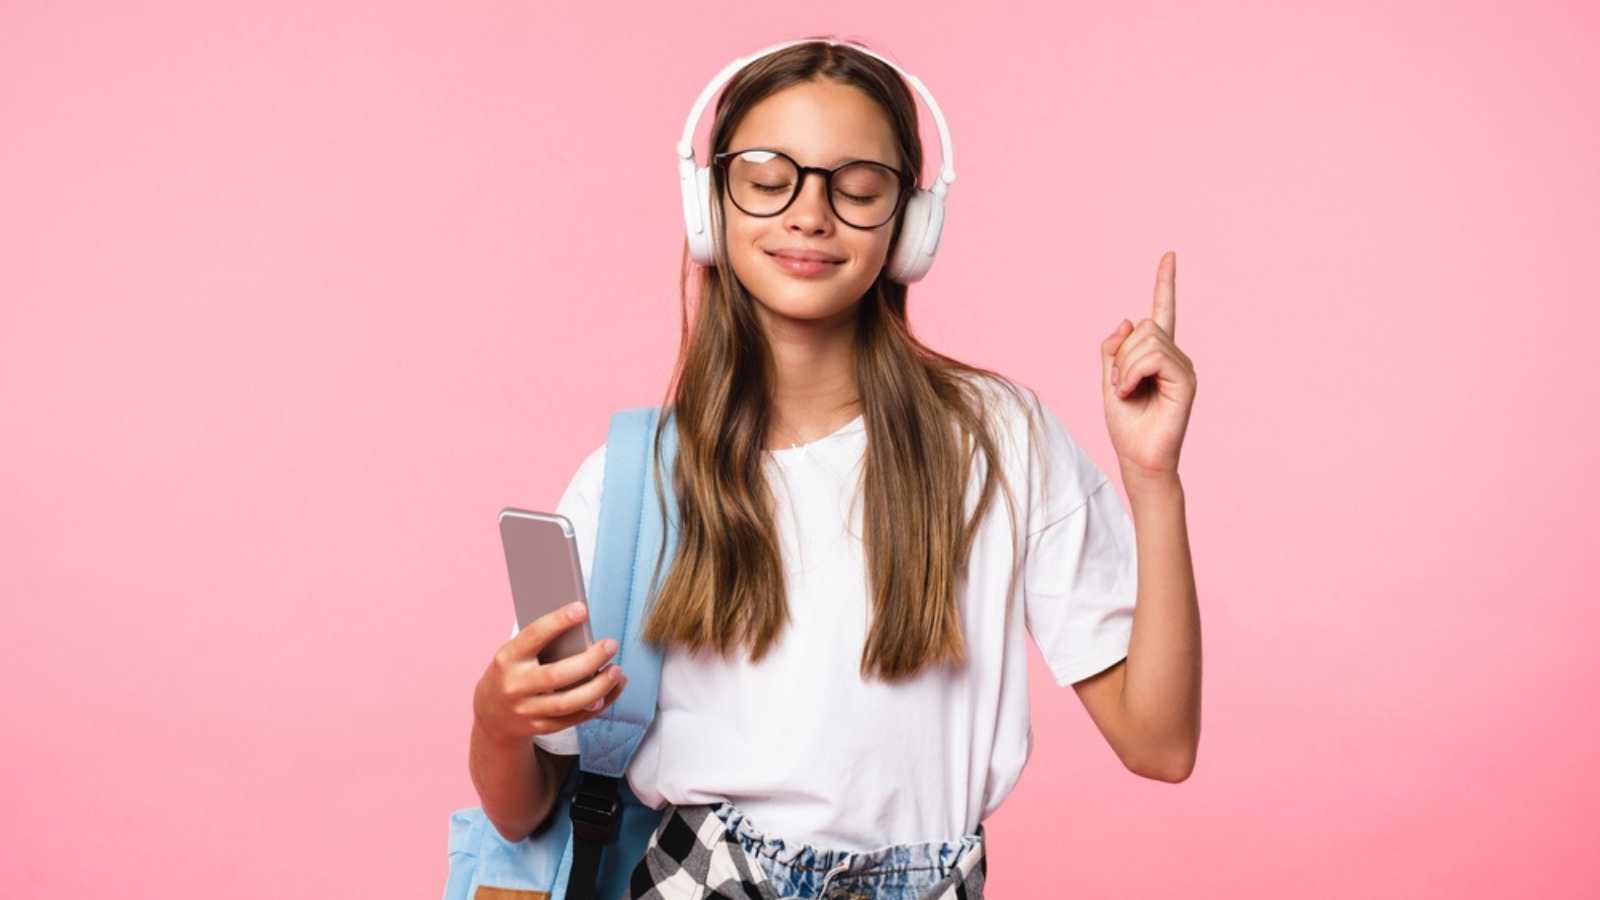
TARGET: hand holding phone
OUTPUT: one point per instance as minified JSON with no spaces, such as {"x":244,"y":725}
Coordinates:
{"x":519,"y":697}
{"x":548,"y":676}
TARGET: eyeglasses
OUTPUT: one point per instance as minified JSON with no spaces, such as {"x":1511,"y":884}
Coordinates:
{"x":862,"y":193}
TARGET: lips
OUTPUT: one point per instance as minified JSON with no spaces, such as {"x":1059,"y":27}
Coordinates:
{"x":803,"y":268}
{"x":803,"y":255}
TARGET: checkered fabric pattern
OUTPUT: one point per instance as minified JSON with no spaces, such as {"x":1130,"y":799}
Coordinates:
{"x":691,"y":856}
{"x":690,"y":853}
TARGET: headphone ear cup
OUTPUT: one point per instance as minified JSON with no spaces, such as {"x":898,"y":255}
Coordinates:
{"x":702,"y":246}
{"x":919,"y":237}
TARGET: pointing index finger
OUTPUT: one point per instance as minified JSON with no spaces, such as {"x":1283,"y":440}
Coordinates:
{"x":1165,"y":308}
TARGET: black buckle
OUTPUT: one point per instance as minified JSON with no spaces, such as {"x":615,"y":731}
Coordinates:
{"x":596,"y":811}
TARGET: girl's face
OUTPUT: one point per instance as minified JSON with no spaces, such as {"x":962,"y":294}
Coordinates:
{"x":818,"y":123}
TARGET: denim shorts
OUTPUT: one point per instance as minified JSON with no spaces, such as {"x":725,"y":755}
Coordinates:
{"x":717,"y":847}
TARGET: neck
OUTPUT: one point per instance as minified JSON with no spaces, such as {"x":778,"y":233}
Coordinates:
{"x":814,"y":389}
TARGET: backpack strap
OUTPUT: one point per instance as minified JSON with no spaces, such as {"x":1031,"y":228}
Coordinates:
{"x":631,"y":532}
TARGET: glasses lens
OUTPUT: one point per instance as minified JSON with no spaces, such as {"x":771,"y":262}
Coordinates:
{"x":865,"y":194}
{"x":760,"y":182}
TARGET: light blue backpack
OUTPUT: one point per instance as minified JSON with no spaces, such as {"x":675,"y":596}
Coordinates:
{"x":599,"y":830}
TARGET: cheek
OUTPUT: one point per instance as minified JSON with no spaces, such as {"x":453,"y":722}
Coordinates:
{"x":741,"y":232}
{"x":875,"y":248}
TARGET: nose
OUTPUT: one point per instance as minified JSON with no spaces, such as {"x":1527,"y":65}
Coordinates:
{"x":810,"y":212}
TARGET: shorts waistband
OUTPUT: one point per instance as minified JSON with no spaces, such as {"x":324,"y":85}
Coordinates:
{"x":936,"y":859}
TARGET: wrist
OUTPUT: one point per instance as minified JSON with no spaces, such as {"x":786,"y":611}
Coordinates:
{"x":505,"y":743}
{"x":1146,"y":485}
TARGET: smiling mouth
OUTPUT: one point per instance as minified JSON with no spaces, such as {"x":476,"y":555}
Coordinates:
{"x":804,"y":268}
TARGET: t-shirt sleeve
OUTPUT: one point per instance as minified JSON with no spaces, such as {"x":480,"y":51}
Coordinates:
{"x":580,"y":503}
{"x":1080,"y":573}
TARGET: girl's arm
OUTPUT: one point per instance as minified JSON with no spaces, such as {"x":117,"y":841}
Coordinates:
{"x":1148,"y":706}
{"x":517,"y":782}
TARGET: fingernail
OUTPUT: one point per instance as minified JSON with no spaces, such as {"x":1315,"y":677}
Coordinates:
{"x":1113,"y":376}
{"x":610,"y":647}
{"x":575,"y":611}
{"x":596,"y":705}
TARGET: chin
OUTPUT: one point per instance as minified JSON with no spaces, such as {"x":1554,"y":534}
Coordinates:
{"x":800,"y":305}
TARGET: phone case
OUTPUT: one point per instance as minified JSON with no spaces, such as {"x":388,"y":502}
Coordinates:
{"x":546,"y":574}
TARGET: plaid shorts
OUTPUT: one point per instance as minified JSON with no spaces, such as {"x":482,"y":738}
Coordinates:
{"x":712,"y":851}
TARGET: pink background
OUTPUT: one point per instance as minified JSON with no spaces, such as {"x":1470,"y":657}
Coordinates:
{"x":294,"y":299}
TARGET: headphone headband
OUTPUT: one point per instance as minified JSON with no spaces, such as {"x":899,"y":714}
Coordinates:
{"x":947,"y":171}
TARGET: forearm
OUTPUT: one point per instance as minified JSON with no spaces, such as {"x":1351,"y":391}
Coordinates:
{"x":1161,"y":688}
{"x":517,"y":782}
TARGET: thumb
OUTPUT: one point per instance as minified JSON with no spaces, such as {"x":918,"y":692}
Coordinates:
{"x":1108,"y":351}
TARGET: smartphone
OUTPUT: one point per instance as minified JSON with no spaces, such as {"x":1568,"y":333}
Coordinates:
{"x":546,"y":574}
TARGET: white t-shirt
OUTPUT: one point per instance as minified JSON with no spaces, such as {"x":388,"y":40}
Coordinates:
{"x":813,"y":753}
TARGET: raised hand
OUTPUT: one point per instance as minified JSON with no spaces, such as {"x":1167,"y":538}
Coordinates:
{"x":1148,"y":385}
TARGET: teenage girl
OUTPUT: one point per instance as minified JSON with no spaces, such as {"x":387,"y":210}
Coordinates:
{"x":868,"y":530}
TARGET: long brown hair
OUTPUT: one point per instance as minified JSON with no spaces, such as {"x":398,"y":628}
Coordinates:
{"x":725,"y":588}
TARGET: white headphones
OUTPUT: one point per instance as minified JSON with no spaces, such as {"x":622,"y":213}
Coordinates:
{"x":924,"y":212}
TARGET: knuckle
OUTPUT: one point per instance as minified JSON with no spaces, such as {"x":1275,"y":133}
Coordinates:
{"x":552,"y":705}
{"x":533,"y":709}
{"x":544,"y":680}
{"x":504,"y":691}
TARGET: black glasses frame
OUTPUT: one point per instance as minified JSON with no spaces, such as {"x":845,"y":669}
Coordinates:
{"x":907,"y":184}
